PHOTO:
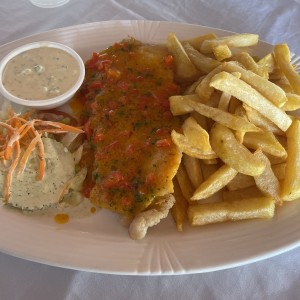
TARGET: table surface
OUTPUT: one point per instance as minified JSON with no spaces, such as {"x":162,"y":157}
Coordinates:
{"x":275,"y":21}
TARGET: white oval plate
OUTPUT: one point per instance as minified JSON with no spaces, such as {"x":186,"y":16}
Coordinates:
{"x":99,"y":243}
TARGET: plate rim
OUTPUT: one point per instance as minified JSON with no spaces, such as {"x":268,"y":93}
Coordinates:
{"x":250,"y":259}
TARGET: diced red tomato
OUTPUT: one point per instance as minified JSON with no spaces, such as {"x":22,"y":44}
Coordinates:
{"x":124,"y":99}
{"x":96,"y":85}
{"x":98,"y":137}
{"x":150,"y":178}
{"x":93,"y":61}
{"x":125,"y":133}
{"x":162,"y":131}
{"x":130,"y":150}
{"x":87,"y":129}
{"x":116,"y":179}
{"x":169,"y":60}
{"x":86,"y":190}
{"x":126,"y":201}
{"x":113,"y":74}
{"x":168,"y":115}
{"x":94,"y":106}
{"x":163,"y":143}
{"x":122,"y":85}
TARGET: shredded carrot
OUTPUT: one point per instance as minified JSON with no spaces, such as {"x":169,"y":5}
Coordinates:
{"x":27,"y":114}
{"x":27,"y":153}
{"x":27,"y":133}
{"x":10,"y":171}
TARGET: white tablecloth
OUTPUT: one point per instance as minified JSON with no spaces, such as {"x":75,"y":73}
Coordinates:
{"x":274,"y":278}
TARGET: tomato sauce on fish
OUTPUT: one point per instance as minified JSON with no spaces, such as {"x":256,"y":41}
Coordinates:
{"x":127,"y":120}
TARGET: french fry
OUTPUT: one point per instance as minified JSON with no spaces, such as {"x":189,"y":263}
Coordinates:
{"x":290,"y":189}
{"x":266,"y":141}
{"x":265,"y":87}
{"x":293,"y":102}
{"x":240,"y":181}
{"x":189,"y":147}
{"x":191,"y":89}
{"x":233,"y":104}
{"x":249,"y":63}
{"x":260,"y":121}
{"x":282,"y":57}
{"x":214,"y":183}
{"x":185,"y":70}
{"x":239,"y":134}
{"x":228,"y":83}
{"x":184,"y":104}
{"x":179,"y":209}
{"x":267,"y":182}
{"x":279,"y":170}
{"x":235,"y":210}
{"x":237,"y":40}
{"x":275,"y":160}
{"x":201,"y":120}
{"x":221,"y":52}
{"x":224,"y":101}
{"x":239,"y":106}
{"x":203,"y":90}
{"x":203,"y":63}
{"x":232,"y":153}
{"x":248,"y":192}
{"x":198,"y":40}
{"x":180,"y":105}
{"x":284,"y":85}
{"x":184,"y":183}
{"x":196,"y":134}
{"x":193,"y":169}
{"x":267,"y":62}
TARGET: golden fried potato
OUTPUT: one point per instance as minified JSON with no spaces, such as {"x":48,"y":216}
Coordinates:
{"x":260,"y":121}
{"x":179,"y":209}
{"x":185,"y":70}
{"x":240,"y":181}
{"x":266,"y":141}
{"x":235,"y":210}
{"x":221,"y":51}
{"x":267,"y":182}
{"x":228,"y":83}
{"x":203,"y":90}
{"x":265,"y":87}
{"x":248,"y":192}
{"x":290,"y":189}
{"x":184,"y":182}
{"x":198,"y":40}
{"x":184,"y":104}
{"x":232,"y":153}
{"x":214,"y":183}
{"x":249,"y":63}
{"x":196,"y":135}
{"x":293,"y":102}
{"x":267,"y":62}
{"x":233,"y":41}
{"x":193,"y":169}
{"x":282,"y":57}
{"x":189,"y":147}
{"x":203,"y":63}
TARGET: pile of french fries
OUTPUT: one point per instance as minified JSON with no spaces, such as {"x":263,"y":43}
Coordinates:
{"x":239,"y":137}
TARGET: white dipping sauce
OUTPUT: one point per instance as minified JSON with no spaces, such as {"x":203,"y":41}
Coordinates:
{"x":40,"y":73}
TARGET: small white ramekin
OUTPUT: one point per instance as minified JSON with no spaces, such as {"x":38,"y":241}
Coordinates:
{"x":51,"y":102}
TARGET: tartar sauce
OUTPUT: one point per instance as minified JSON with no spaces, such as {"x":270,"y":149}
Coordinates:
{"x":40,"y":73}
{"x":27,"y":192}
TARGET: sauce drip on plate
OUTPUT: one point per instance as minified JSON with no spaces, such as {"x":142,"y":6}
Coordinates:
{"x":61,"y":218}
